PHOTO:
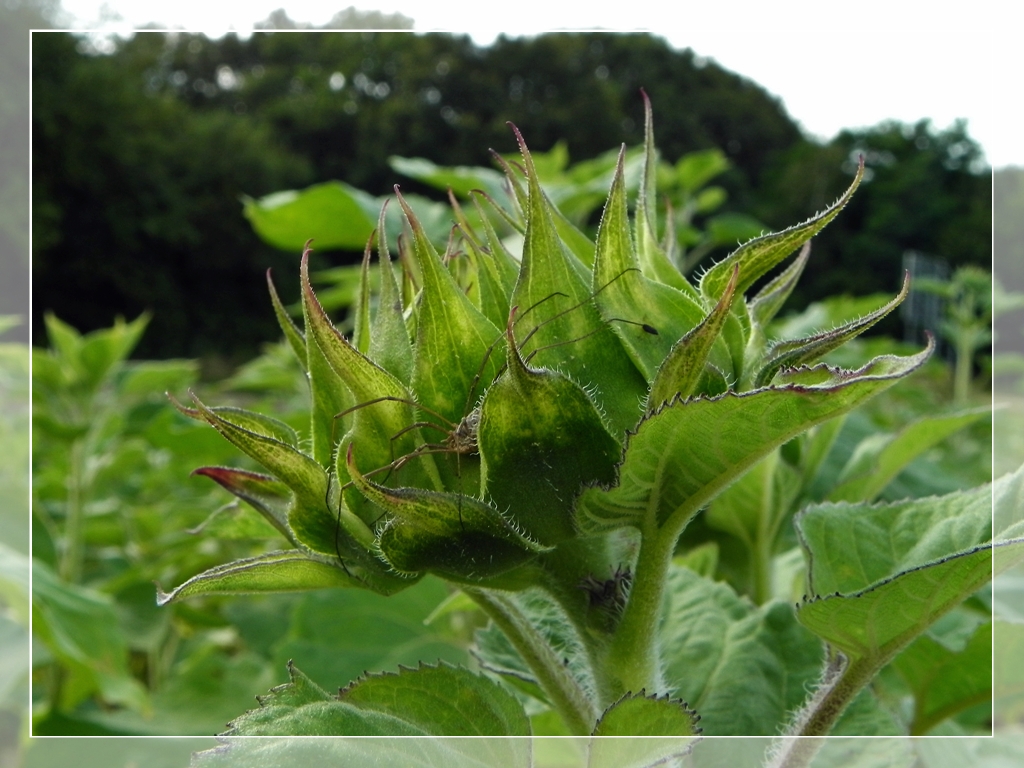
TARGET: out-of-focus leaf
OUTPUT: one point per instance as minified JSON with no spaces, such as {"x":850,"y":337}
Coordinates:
{"x":428,"y":701}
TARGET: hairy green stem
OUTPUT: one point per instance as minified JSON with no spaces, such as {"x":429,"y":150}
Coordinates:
{"x":836,"y":695}
{"x":798,"y":748}
{"x":633,"y":661}
{"x":841,"y":681}
{"x":568,"y":699}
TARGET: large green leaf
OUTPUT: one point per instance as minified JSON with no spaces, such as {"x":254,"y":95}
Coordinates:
{"x":890,"y":571}
{"x":428,"y":701}
{"x":683,"y":455}
{"x":854,"y":546}
{"x":334,"y":214}
{"x":743,"y":669}
{"x":878,"y":622}
{"x":379,"y":752}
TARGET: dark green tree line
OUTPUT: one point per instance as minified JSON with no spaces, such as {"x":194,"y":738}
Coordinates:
{"x":141,"y":156}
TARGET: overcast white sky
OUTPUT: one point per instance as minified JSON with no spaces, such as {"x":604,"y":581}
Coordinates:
{"x":834,"y":65}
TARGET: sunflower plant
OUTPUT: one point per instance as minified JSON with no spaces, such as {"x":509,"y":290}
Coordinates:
{"x":538,"y":429}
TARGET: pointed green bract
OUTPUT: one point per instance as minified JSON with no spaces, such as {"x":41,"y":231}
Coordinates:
{"x":802,"y":351}
{"x":681,"y":372}
{"x":270,"y":497}
{"x":299,"y":472}
{"x":628,"y":299}
{"x":374,"y":425}
{"x":654,"y":262}
{"x":308,"y":517}
{"x":771,"y":298}
{"x":758,"y":256}
{"x":361,"y":307}
{"x":291,"y":331}
{"x":390,"y":346}
{"x":541,"y":440}
{"x":273,"y":572}
{"x":329,"y":394}
{"x":452,"y":535}
{"x":571,"y":335}
{"x":453,"y":338}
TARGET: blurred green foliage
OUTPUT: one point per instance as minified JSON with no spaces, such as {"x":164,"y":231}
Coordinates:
{"x":114,"y":511}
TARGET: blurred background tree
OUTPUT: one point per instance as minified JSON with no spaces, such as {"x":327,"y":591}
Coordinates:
{"x":141,"y":155}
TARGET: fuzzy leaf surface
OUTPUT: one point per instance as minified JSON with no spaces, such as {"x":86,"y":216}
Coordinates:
{"x":718,"y":649}
{"x":429,"y":701}
{"x":853,"y":546}
{"x":380,"y":752}
{"x":879,"y":621}
{"x":930,"y":554}
{"x":642,"y":715}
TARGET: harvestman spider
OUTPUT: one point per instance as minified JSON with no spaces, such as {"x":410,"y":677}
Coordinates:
{"x":460,"y":439}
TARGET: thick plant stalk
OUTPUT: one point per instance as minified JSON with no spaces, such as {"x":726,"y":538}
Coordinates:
{"x":568,"y":699}
{"x":633,"y":662}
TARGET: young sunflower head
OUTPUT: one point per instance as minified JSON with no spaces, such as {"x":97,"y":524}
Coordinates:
{"x":484,"y":393}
